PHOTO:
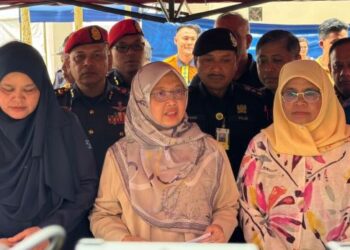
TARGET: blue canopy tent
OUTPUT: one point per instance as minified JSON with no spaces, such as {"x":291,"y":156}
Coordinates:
{"x":160,"y":35}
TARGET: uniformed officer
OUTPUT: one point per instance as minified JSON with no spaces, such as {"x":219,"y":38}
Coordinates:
{"x":127,"y":47}
{"x":229,"y":112}
{"x":99,"y":105}
{"x":273,"y":50}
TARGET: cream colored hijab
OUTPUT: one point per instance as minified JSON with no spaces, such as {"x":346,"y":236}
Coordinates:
{"x":327,"y":131}
{"x":170,"y":175}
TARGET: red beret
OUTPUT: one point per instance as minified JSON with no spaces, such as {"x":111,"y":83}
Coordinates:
{"x":86,"y":35}
{"x":123,"y":28}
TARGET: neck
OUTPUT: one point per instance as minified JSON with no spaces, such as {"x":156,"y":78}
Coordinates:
{"x":243,"y":61}
{"x":92,"y":91}
{"x":218,"y":92}
{"x":324,"y":60}
{"x":185,"y":58}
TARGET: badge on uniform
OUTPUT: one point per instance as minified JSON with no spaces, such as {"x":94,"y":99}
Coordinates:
{"x":222,"y":136}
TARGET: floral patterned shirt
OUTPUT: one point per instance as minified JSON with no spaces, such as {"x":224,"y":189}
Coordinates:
{"x":291,"y":201}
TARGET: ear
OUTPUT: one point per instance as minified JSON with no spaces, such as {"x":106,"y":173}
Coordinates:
{"x":175,"y":40}
{"x":195,"y":58}
{"x":320,"y":43}
{"x":110,"y":60}
{"x":249,"y":40}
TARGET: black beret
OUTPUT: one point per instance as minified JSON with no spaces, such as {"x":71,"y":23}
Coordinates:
{"x":215,"y":39}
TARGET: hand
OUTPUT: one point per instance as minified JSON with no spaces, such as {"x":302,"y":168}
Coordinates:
{"x":133,"y":238}
{"x":26,"y":233}
{"x":5,"y":242}
{"x":217,"y":234}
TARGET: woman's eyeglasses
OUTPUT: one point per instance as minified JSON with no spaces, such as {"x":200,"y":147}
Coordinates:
{"x":123,"y":48}
{"x":309,"y":96}
{"x":163,"y":95}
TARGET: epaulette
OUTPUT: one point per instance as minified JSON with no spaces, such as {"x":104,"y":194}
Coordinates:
{"x":255,"y":91}
{"x":61,"y":91}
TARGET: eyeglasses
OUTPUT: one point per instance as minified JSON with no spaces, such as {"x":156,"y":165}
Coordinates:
{"x":162,"y":95}
{"x":123,"y":48}
{"x":309,"y":96}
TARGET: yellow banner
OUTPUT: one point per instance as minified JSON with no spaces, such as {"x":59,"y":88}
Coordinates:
{"x":78,"y":17}
{"x":26,"y":32}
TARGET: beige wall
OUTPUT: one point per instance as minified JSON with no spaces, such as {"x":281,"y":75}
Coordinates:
{"x":303,"y":12}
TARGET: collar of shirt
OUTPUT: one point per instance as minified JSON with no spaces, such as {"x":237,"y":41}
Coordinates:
{"x":180,"y":63}
{"x":76,"y":93}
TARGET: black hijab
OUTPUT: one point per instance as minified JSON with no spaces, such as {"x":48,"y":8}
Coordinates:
{"x":37,"y":163}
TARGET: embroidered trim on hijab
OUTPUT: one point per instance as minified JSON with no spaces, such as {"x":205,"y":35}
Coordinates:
{"x":327,"y":131}
{"x":170,"y":175}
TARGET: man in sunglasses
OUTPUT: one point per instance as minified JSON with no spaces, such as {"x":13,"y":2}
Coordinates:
{"x":99,"y":105}
{"x":127,"y":45}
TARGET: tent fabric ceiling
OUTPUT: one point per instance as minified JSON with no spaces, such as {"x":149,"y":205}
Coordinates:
{"x":111,"y":1}
{"x":172,"y":10}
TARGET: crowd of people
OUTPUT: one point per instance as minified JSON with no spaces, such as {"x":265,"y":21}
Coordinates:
{"x":208,"y":142}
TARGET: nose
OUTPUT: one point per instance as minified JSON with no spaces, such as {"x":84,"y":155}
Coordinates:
{"x":301,"y":99}
{"x":216,"y":67}
{"x":89,"y":60}
{"x":268,"y":67}
{"x":18,"y":95}
{"x":345,"y":71}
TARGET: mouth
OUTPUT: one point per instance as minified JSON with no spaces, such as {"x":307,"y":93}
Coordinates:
{"x":300,"y":113}
{"x":171,"y":113}
{"x":216,"y":77}
{"x":270,"y":79}
{"x":18,"y":108}
{"x":345,"y":82}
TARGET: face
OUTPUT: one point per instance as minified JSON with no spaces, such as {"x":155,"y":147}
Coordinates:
{"x":238,"y":26}
{"x":303,"y":49}
{"x":88,"y":65}
{"x":340,"y":68}
{"x":217,"y":69}
{"x":270,"y":59}
{"x":184,"y":40}
{"x":19,"y":96}
{"x":301,"y":111}
{"x":331,"y":38}
{"x":65,"y":68}
{"x":168,"y":101}
{"x":128,"y":62}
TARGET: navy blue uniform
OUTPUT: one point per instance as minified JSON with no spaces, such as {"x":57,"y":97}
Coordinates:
{"x":102,"y":117}
{"x":117,"y":79}
{"x":241,"y":110}
{"x":244,"y":114}
{"x":250,"y":75}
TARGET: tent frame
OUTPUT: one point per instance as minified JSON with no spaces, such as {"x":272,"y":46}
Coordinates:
{"x":168,"y":9}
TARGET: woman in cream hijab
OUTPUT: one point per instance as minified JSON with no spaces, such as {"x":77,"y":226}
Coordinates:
{"x":166,"y":180}
{"x":294,"y":178}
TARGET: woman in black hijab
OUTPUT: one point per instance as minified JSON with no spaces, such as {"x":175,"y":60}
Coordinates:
{"x":47,"y":170}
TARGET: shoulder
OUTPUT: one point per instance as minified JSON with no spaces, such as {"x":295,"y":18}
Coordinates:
{"x":170,"y":59}
{"x":244,"y":88}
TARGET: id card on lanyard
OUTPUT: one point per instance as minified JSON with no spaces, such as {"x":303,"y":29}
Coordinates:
{"x":222,"y":134}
